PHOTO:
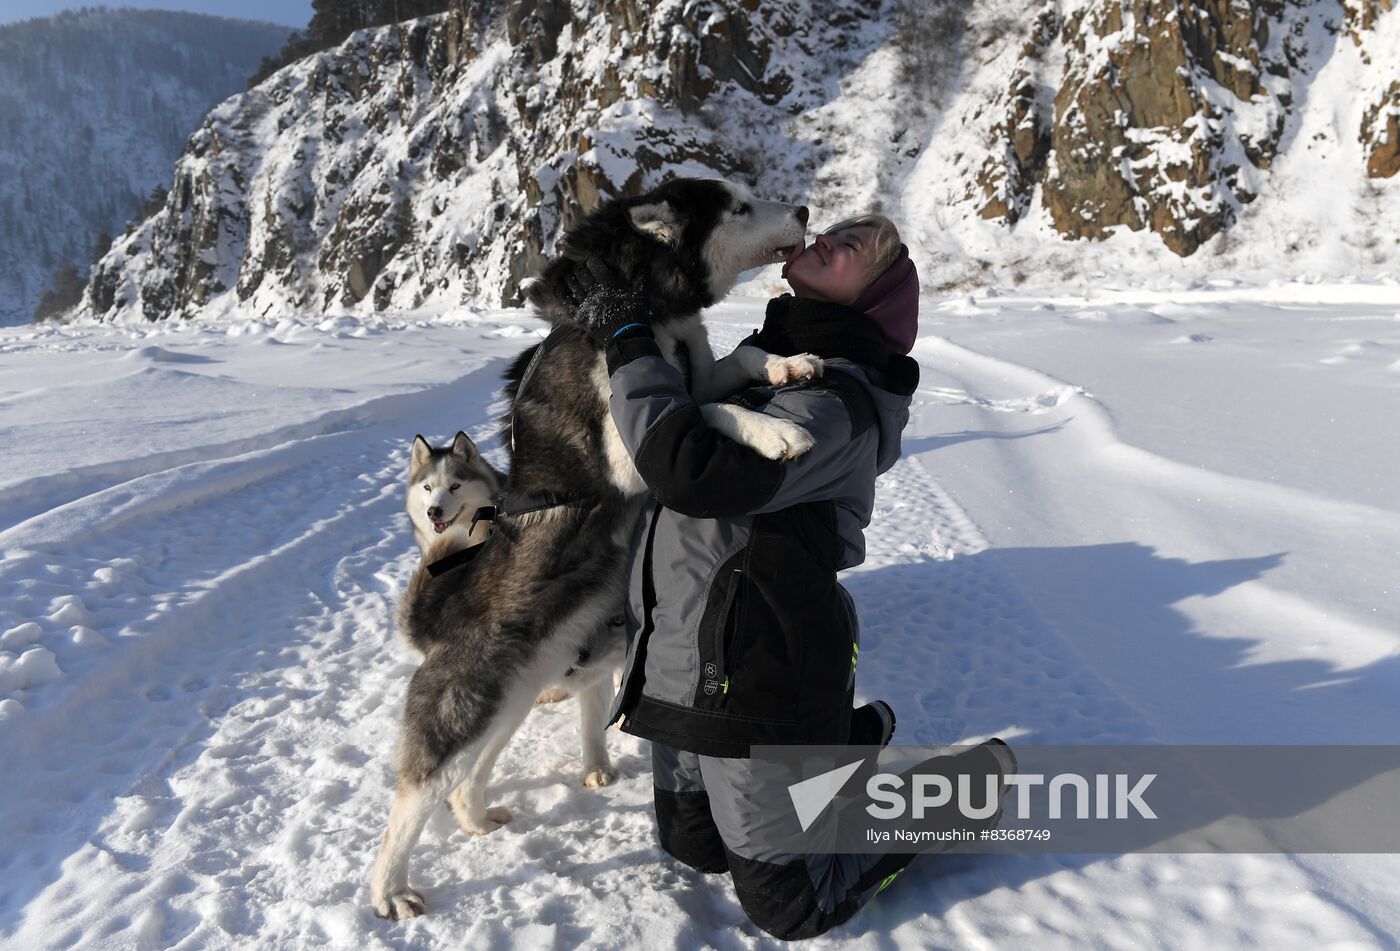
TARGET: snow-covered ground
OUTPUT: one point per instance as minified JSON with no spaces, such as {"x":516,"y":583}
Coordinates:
{"x":1164,"y":518}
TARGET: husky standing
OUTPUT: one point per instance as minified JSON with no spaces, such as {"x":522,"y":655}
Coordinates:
{"x":537,"y":600}
{"x":445,"y":488}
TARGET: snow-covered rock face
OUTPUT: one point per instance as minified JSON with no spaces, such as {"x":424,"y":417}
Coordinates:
{"x":442,"y":158}
{"x":439,"y":161}
{"x":1166,"y":114}
{"x":1380,"y":133}
{"x":1380,"y":127}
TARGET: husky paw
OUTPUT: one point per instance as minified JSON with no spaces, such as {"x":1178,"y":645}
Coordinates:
{"x":801,"y":366}
{"x":598,"y":777}
{"x":493,"y":819}
{"x":552,"y":695}
{"x":400,"y":905}
{"x":780,"y":439}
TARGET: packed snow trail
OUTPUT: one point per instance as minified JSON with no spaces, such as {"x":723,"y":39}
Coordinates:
{"x":207,"y":761}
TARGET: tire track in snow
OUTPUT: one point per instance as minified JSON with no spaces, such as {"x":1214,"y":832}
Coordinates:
{"x":52,"y":508}
{"x":1096,"y":433}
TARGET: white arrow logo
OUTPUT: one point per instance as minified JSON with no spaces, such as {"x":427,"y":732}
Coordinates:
{"x":811,"y":796}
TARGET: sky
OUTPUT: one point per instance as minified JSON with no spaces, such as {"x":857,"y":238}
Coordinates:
{"x":290,"y":12}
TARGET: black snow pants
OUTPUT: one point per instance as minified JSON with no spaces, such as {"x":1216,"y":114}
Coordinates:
{"x":716,"y":815}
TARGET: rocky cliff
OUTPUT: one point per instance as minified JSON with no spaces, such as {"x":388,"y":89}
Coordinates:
{"x":437,"y":161}
{"x":1160,"y":114}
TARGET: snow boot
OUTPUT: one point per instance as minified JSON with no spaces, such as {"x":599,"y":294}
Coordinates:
{"x":872,"y":724}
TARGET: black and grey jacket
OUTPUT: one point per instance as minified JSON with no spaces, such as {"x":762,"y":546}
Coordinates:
{"x":739,"y":632}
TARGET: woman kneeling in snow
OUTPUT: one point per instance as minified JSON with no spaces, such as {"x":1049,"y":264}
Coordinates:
{"x":740,"y":633}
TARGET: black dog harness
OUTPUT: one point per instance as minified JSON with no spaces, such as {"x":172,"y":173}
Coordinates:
{"x":509,"y":505}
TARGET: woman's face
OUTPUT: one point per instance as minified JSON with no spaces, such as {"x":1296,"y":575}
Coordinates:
{"x":834,"y":267}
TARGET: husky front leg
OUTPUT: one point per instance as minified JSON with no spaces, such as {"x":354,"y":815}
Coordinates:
{"x":748,"y":365}
{"x":770,"y":437}
{"x":594,"y":701}
{"x":799,"y":366}
{"x":553,"y":694}
{"x":426,"y":775}
{"x":760,"y":366}
{"x":715,"y":379}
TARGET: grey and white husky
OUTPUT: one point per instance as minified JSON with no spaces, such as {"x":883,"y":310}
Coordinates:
{"x":539,"y":603}
{"x":445,"y":488}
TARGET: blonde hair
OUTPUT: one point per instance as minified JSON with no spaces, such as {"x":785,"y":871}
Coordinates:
{"x":884,"y":246}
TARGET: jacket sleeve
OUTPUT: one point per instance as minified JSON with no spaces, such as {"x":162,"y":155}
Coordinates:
{"x":698,"y":471}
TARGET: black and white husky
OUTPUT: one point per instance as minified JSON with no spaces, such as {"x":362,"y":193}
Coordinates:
{"x":535,"y":605}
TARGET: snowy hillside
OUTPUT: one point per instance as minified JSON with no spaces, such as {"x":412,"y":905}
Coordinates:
{"x":1089,"y":142}
{"x":1119,"y":518}
{"x":95,"y":106}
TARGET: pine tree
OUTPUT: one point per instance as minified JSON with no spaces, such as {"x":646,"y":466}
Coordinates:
{"x":152,"y":203}
{"x":101,"y":247}
{"x":66,"y":293}
{"x":333,"y":20}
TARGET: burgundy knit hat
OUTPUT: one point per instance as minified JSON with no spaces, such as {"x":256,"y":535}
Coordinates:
{"x":892,"y":301}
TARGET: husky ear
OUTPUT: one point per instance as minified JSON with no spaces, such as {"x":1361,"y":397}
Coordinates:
{"x":659,"y":220}
{"x":421,"y":451}
{"x":463,"y":446}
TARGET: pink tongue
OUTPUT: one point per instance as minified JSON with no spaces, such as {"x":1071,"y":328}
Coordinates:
{"x":793,"y":257}
{"x":439,"y":526}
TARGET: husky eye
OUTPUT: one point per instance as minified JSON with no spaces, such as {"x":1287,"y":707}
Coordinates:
{"x":743,"y":209}
{"x":427,"y":487}
{"x":454,"y":487}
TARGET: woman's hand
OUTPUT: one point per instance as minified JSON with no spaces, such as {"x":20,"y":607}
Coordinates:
{"x":605,"y":306}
